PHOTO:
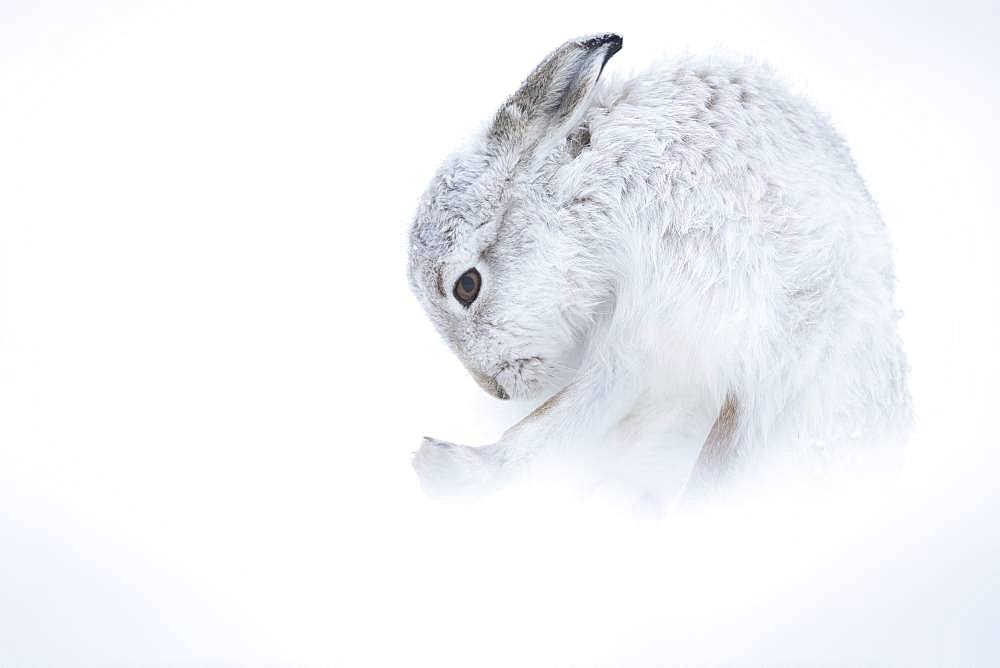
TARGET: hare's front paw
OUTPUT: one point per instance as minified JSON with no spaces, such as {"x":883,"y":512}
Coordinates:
{"x":449,"y":470}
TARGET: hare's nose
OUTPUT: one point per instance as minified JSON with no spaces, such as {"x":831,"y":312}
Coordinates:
{"x":489,"y":384}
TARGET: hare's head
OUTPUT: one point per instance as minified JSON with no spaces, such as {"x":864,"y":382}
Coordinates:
{"x":487,"y":257}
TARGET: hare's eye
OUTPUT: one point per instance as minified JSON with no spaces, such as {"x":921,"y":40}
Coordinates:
{"x":467,"y":287}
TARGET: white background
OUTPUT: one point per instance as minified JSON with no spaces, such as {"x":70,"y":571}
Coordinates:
{"x":212,"y":373}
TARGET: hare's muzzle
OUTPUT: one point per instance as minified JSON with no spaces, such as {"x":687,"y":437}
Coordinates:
{"x":489,"y":384}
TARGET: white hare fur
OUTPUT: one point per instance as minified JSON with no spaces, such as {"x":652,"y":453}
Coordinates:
{"x":687,"y":261}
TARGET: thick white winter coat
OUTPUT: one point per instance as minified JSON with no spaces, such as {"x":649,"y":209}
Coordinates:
{"x":687,"y":261}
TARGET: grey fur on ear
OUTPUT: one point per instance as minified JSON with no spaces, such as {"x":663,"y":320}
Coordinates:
{"x":554,"y":97}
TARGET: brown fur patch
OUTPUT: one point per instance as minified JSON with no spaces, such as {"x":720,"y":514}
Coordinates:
{"x":718,"y":452}
{"x":440,"y":282}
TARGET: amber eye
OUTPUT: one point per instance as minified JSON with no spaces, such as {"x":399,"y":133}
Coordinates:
{"x":467,"y":287}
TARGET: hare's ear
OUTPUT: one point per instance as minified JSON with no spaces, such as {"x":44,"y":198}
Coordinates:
{"x":553,"y":99}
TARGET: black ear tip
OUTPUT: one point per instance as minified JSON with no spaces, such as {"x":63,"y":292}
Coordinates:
{"x":612,"y":41}
{"x":601,"y":40}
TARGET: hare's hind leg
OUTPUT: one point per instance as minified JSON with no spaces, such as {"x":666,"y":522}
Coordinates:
{"x":717,"y":459}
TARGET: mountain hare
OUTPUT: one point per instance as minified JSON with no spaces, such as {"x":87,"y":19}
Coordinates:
{"x":686,"y":261}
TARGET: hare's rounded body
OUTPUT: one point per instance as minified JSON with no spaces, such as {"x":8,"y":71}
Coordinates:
{"x":688,"y":258}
